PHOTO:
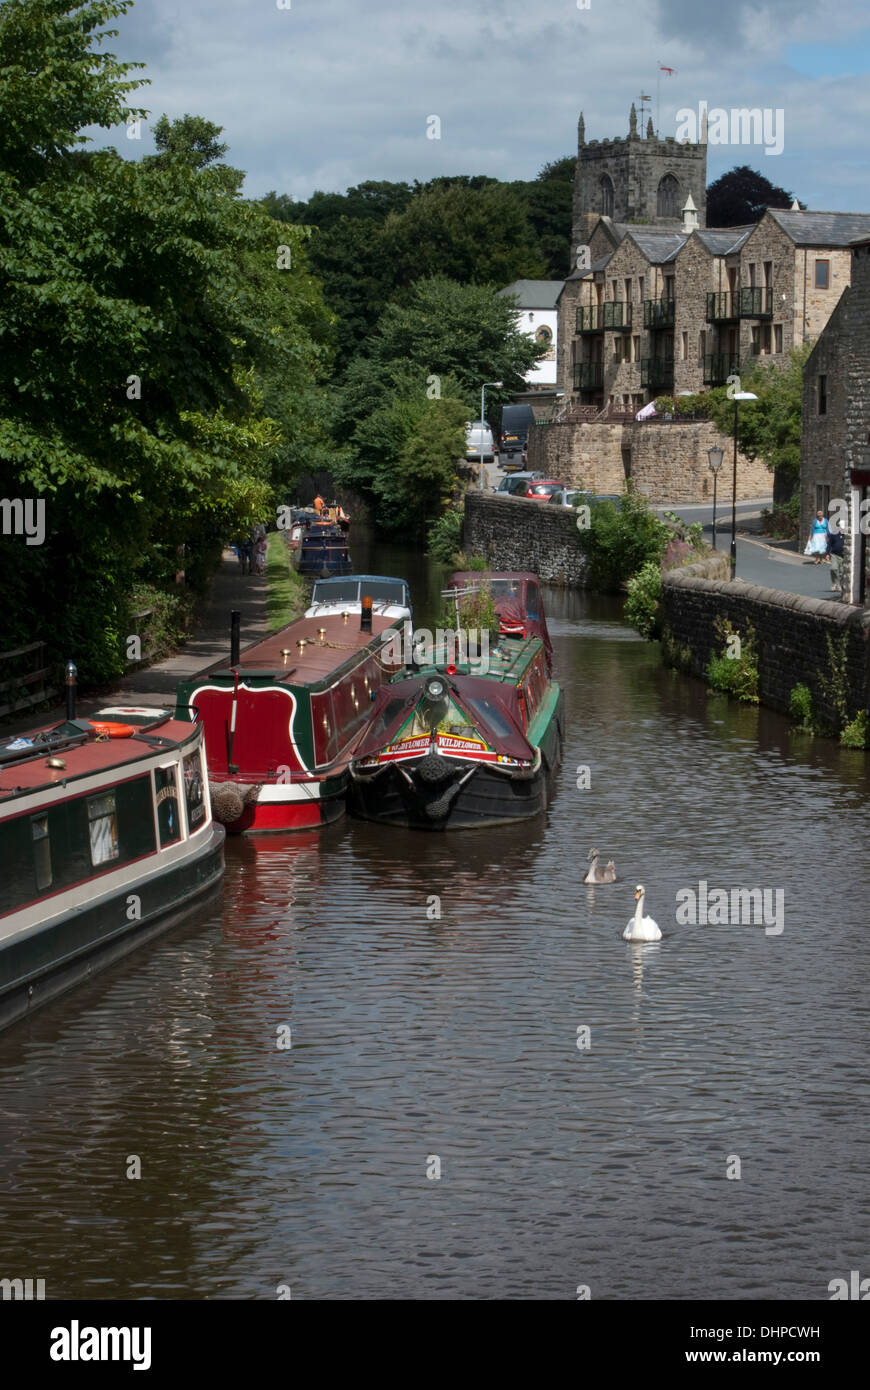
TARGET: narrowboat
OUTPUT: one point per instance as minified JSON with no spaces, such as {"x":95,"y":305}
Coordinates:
{"x":451,"y":748}
{"x":344,"y":594}
{"x":106,"y":840}
{"x":280,"y":719}
{"x":517,"y":599}
{"x":323,"y":549}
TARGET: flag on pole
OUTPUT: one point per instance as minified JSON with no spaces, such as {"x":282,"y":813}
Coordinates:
{"x":672,"y":72}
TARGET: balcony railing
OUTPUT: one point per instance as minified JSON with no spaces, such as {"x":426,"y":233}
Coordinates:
{"x":613,"y":314}
{"x":718,"y":366}
{"x":656,"y":372}
{"x":658,"y":313}
{"x":587,"y":376}
{"x":756,"y":302}
{"x":750,"y":302}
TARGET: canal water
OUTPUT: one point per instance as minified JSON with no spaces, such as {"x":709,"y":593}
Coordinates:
{"x":705,"y":1139}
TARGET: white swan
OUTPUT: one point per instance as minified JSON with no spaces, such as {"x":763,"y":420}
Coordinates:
{"x":641,"y":928}
{"x":596,"y":875}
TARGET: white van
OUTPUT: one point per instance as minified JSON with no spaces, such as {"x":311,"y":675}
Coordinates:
{"x":479,"y":443}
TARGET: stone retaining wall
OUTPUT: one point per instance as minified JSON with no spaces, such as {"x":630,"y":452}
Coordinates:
{"x":517,"y":534}
{"x":791,"y":633}
{"x":667,"y":461}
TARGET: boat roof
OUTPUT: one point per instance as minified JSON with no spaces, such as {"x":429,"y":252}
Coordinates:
{"x":361,"y":579}
{"x":460,"y":578}
{"x":25,"y":768}
{"x":279,"y":656}
{"x":507,"y":663}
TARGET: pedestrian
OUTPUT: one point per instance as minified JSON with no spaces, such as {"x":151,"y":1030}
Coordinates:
{"x":260,"y":547}
{"x":817,"y":544}
{"x":835,"y":554}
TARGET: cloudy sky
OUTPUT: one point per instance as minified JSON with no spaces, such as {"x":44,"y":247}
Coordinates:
{"x":327,"y":93}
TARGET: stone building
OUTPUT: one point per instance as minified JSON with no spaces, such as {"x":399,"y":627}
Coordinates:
{"x":835,"y":425}
{"x":659,"y":303}
{"x":538,"y":316}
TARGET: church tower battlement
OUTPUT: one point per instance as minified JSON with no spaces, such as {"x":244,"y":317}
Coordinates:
{"x":640,"y":178}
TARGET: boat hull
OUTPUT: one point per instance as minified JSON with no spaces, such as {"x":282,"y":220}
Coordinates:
{"x":295,"y":806}
{"x":470,"y":795}
{"x":52,"y":958}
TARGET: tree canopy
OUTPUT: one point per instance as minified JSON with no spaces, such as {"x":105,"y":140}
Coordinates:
{"x":741,"y":196}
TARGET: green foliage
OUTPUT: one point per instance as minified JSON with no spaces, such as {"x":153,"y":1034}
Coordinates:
{"x":856,"y":734}
{"x":477,"y":236}
{"x":783,"y":521}
{"x":673,"y":653}
{"x":476,"y":611}
{"x":735,"y":675}
{"x":620,"y":540}
{"x":286,"y":590}
{"x":160,"y":373}
{"x":739,"y":198}
{"x":642,"y":607}
{"x":444,"y":537}
{"x":834,"y":682}
{"x":769,"y":428}
{"x":800,"y":707}
{"x":693,"y":407}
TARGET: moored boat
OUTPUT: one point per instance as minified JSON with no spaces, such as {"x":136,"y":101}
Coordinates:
{"x":281,"y":718}
{"x":323,"y":549}
{"x":450,"y":748}
{"x":517,"y":599}
{"x":106,"y":840}
{"x":344,"y":594}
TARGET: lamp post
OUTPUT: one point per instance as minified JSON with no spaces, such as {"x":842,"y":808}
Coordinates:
{"x":483,"y":420}
{"x":715,"y":456}
{"x":738,"y":396}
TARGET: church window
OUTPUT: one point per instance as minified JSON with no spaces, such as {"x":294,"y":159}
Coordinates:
{"x":605,"y":193}
{"x":668,"y":204}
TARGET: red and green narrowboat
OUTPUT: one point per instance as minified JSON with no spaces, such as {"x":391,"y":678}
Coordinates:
{"x":452,"y":748}
{"x":106,"y":839}
{"x":281,"y":719}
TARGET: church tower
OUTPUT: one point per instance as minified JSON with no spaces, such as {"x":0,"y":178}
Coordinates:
{"x":637,"y":179}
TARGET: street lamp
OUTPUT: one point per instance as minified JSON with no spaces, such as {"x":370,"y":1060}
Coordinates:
{"x":738,"y":396}
{"x":715,"y":456}
{"x":483,"y":420}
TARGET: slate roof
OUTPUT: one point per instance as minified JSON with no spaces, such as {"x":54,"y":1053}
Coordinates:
{"x":822,"y":228}
{"x":535,"y":294}
{"x":724,"y":241}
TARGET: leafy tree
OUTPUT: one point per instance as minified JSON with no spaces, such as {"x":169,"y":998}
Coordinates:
{"x":145,"y":325}
{"x":191,"y":138}
{"x":474,"y":235}
{"x":769,"y":428}
{"x":740,"y":197}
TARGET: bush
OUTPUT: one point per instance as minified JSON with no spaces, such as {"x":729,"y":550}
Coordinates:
{"x":800,"y":707}
{"x":735,"y":675}
{"x":444,"y":537}
{"x":619,"y":541}
{"x":476,"y":611}
{"x":783,"y":522}
{"x":642,"y":607}
{"x":857,"y":733}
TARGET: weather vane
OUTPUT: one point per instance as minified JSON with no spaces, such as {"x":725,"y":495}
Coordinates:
{"x":642,"y":109}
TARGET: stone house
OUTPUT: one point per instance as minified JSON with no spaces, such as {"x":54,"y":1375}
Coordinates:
{"x":835,"y":424}
{"x":538,"y":316}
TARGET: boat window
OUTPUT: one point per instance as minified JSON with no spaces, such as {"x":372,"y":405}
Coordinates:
{"x":103,"y":828}
{"x":168,"y":817}
{"x":193,"y":790}
{"x":41,"y":852}
{"x":332,"y":592}
{"x":494,"y":715}
{"x":503,"y":588}
{"x":532,"y":601}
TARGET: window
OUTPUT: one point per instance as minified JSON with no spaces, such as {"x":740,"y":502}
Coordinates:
{"x":640,"y":286}
{"x":684,"y":346}
{"x":768,"y":274}
{"x":636,"y":342}
{"x":823,"y":275}
{"x":777,"y":337}
{"x":605,"y":196}
{"x":613,"y":284}
{"x":627,"y":284}
{"x":765,"y":338}
{"x":823,"y":496}
{"x":194,"y":793}
{"x":103,"y":828}
{"x":669,"y":288}
{"x":702,"y":344}
{"x":41,"y":852}
{"x":752,"y":274}
{"x":168,"y":818}
{"x":756,"y":339}
{"x":823,"y":395}
{"x":668,"y":200}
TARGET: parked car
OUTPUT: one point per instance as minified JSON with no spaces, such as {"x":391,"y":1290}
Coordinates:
{"x":513,"y":463}
{"x":542,"y":489}
{"x":569,"y":497}
{"x":516,"y":421}
{"x":516,"y":483}
{"x":479,"y":443}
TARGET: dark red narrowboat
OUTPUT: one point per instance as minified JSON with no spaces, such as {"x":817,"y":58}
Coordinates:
{"x":281,"y":719}
{"x":517,"y":599}
{"x":106,"y":839}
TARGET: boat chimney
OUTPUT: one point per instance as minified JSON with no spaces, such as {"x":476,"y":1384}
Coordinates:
{"x":365,"y":615}
{"x":72,"y":676}
{"x":235,"y":628}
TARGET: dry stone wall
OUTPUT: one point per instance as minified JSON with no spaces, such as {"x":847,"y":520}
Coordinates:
{"x":517,"y":534}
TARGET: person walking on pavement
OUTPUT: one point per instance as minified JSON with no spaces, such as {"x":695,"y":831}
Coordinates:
{"x":835,"y":555}
{"x":817,"y":545}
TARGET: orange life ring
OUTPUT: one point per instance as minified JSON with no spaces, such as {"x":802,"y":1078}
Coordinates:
{"x":110,"y":730}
